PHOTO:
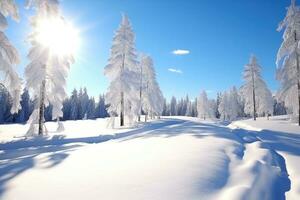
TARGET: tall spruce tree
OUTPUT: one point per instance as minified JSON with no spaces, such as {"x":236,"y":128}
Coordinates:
{"x":122,"y":71}
{"x":288,"y":71}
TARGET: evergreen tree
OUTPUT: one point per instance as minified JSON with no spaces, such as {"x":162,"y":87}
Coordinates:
{"x":90,"y":112}
{"x":204,"y":107}
{"x":173,"y":107}
{"x":151,"y":96}
{"x":9,"y":56}
{"x":288,"y":72}
{"x":26,"y":107}
{"x":74,"y":105}
{"x":254,"y":91}
{"x":122,"y":71}
{"x":47,"y":71}
{"x":5,"y":106}
{"x":101,"y":111}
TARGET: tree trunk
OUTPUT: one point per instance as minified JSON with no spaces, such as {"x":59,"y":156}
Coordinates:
{"x":140,"y":112}
{"x":42,"y":108}
{"x":146,"y":116}
{"x":253,"y":96}
{"x":122,"y":110}
{"x":141,"y":87}
{"x":122,"y":96}
{"x":298,"y":81}
{"x":298,"y":70}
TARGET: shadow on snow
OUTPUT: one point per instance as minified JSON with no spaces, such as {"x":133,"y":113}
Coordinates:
{"x":18,"y":156}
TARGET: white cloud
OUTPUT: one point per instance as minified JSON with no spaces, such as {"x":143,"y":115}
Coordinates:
{"x":178,"y":71}
{"x":180,"y":52}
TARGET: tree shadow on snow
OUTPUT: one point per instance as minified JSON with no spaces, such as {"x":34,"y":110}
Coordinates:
{"x":16,"y":162}
{"x":273,"y":141}
{"x":18,"y":156}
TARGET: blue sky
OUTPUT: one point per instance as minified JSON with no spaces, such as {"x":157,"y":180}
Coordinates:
{"x":219,"y":35}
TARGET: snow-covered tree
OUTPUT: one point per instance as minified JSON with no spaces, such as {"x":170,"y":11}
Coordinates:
{"x":90,"y":111}
{"x":224,"y":109}
{"x":288,"y":66}
{"x":218,"y":101}
{"x":122,"y":71}
{"x":74,"y":106}
{"x":204,"y":106}
{"x":47,"y":71}
{"x":152,"y":100}
{"x":278,"y":107}
{"x":101,"y":111}
{"x":235,"y":104}
{"x":254,"y":91}
{"x":26,"y":107}
{"x":173,"y":106}
{"x":166,"y":110}
{"x":265,"y":104}
{"x":4,"y":105}
{"x":83,"y":98}
{"x":9,"y":56}
{"x":229,"y":105}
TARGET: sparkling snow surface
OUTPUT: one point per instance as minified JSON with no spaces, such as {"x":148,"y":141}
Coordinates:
{"x":172,"y":158}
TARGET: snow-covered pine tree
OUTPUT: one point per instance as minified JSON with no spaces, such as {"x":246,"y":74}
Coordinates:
{"x":101,"y":111}
{"x":165,"y":108}
{"x":158,"y":98}
{"x":194,"y":108}
{"x":122,"y":71}
{"x":47,"y":71}
{"x":203,"y":106}
{"x":83,"y":98}
{"x":223,"y":106}
{"x":234,"y":107}
{"x":185,"y":105}
{"x":189,"y":110}
{"x":9,"y":56}
{"x":288,"y":66}
{"x":74,"y":105}
{"x":218,"y":100}
{"x":26,"y":107}
{"x":173,"y":106}
{"x":213,"y":108}
{"x":4,"y":105}
{"x":265,"y":104}
{"x":90,"y":112}
{"x":152,"y":100}
{"x":254,"y":89}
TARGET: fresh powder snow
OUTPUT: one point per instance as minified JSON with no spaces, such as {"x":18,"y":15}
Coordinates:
{"x":169,"y":158}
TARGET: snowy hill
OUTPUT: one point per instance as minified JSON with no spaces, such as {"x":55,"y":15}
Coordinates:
{"x":171,"y":158}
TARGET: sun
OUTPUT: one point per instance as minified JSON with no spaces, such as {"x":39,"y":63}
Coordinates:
{"x":59,"y":36}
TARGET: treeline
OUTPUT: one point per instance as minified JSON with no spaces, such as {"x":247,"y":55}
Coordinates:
{"x":216,"y":108}
{"x":76,"y":107}
{"x":79,"y":105}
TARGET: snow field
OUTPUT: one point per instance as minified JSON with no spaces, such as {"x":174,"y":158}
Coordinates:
{"x":171,"y":158}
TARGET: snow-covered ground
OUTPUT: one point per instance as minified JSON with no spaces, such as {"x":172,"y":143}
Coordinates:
{"x":279,"y":135}
{"x":171,"y":158}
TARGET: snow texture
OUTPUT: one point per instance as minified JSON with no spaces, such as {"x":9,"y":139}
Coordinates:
{"x":170,"y":158}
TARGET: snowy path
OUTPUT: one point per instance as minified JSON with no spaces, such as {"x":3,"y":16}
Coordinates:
{"x":166,"y":159}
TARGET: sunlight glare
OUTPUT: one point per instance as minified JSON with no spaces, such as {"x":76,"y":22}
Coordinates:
{"x":59,"y":36}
